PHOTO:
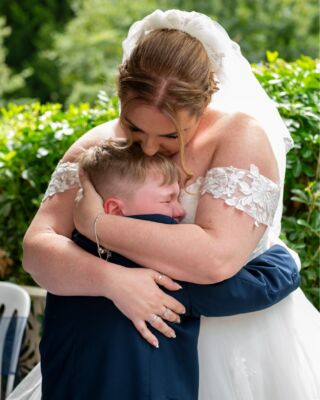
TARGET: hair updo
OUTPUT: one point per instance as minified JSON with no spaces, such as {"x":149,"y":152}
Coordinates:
{"x":170,"y":70}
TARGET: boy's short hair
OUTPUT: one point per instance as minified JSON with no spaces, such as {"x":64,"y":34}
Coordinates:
{"x":115,"y":167}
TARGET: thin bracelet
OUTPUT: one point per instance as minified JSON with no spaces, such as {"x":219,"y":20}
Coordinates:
{"x":101,"y":250}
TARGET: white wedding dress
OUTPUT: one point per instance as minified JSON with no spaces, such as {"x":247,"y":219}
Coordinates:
{"x":272,"y":354}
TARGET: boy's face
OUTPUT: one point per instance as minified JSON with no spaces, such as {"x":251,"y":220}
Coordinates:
{"x":153,"y":197}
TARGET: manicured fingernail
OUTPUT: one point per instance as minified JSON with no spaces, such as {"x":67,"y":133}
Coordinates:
{"x":155,"y":344}
{"x":178,"y":286}
{"x":173,"y":335}
{"x":178,"y":321}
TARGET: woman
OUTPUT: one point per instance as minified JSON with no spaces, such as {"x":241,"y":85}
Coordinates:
{"x":172,"y":64}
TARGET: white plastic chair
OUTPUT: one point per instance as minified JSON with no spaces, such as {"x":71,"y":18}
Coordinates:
{"x":14,"y":303}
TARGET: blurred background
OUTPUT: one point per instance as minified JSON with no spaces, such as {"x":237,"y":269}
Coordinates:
{"x":66,"y":51}
{"x":58,"y":67}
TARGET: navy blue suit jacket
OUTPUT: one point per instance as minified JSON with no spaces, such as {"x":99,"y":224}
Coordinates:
{"x":102,"y":356}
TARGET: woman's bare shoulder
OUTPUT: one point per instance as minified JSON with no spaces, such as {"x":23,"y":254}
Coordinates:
{"x":93,"y":137}
{"x":219,"y":128}
{"x":242,"y":141}
{"x":224,"y":124}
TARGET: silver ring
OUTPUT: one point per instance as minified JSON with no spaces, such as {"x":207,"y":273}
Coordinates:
{"x":152,"y":319}
{"x":164,"y":314}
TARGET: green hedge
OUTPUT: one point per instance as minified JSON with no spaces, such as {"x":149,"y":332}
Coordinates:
{"x":295,"y":88}
{"x":34,"y":137}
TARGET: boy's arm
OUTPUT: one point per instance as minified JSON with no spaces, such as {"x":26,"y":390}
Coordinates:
{"x":262,"y":282}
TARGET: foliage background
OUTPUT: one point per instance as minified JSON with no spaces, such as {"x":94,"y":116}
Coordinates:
{"x":34,"y":137}
{"x":67,"y":51}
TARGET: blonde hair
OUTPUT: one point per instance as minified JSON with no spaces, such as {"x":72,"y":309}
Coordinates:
{"x":170,"y":70}
{"x":116,"y":167}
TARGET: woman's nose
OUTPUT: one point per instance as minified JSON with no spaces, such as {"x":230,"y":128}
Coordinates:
{"x":150,"y":147}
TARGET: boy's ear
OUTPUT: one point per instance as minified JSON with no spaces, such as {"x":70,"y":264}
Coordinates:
{"x":113,"y":206}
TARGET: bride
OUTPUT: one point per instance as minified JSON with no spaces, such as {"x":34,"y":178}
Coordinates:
{"x":186,"y":91}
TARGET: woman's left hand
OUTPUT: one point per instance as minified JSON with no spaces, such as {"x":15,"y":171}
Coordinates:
{"x":88,"y":204}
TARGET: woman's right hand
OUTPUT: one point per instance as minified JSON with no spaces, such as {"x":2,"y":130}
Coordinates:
{"x":138,"y":296}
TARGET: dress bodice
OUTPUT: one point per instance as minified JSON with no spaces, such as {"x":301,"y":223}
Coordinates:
{"x":246,"y":190}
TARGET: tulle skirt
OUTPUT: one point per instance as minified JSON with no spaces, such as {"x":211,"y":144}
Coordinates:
{"x":267,"y":355}
{"x":30,"y":387}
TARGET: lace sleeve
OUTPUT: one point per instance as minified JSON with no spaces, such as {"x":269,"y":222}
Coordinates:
{"x":245,"y":190}
{"x":64,"y":177}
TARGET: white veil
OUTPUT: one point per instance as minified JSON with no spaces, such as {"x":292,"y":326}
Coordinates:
{"x":239,"y":90}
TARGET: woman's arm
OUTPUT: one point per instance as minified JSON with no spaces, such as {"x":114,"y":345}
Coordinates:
{"x":49,"y":254}
{"x":60,"y":266}
{"x":224,"y":237}
{"x":52,"y":258}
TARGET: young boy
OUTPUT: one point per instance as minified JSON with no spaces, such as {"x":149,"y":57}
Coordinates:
{"x":90,"y":349}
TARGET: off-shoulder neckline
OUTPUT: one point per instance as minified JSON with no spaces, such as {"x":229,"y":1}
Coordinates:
{"x":253,"y":169}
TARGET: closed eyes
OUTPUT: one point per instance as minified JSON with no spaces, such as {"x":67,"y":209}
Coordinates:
{"x":135,"y":129}
{"x":167,"y":136}
{"x":170,"y":136}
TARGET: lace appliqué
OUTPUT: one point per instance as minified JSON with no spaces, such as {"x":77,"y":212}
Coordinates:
{"x":64,"y":177}
{"x":245,"y":190}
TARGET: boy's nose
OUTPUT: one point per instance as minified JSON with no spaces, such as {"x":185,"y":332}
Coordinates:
{"x":179,"y":212}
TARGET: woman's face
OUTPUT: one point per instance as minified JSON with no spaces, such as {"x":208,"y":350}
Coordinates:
{"x":156,"y":132}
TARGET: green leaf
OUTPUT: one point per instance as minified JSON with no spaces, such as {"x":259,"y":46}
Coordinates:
{"x":272,"y":56}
